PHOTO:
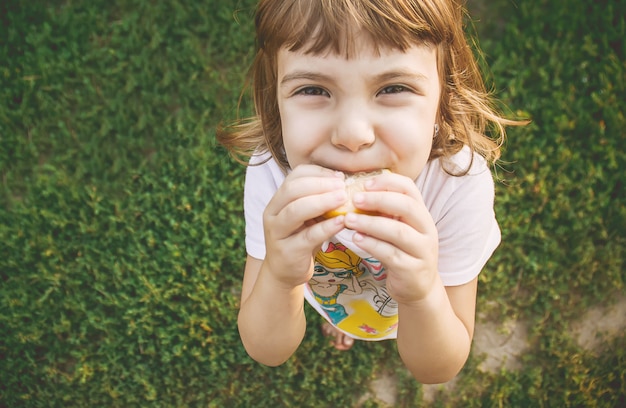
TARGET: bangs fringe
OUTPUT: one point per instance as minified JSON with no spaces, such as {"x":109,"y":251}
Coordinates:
{"x":321,"y":26}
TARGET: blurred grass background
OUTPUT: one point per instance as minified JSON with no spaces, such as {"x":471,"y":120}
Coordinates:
{"x":121,"y":231}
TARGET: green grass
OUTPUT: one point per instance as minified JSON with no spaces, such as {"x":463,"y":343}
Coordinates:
{"x":121,"y":230}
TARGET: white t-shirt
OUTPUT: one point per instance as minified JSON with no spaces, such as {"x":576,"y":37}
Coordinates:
{"x":348,"y":286}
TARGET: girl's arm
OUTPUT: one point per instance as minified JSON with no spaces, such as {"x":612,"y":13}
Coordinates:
{"x":435,"y":323}
{"x":435,"y":334}
{"x":271,"y":318}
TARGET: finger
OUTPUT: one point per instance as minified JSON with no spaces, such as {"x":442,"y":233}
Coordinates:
{"x":298,"y":248}
{"x":307,"y":238}
{"x":390,"y":255}
{"x":392,"y":238}
{"x":314,"y":235}
{"x":397,"y":206}
{"x":393,"y":182}
{"x":300,"y":212}
{"x":299,"y":185}
{"x":402,"y":201}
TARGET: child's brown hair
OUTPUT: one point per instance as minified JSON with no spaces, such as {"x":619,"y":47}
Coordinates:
{"x":320,"y":26}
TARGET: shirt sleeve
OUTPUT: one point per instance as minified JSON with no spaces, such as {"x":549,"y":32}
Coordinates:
{"x":462,"y":208}
{"x":262,"y":181}
{"x":468,"y":230}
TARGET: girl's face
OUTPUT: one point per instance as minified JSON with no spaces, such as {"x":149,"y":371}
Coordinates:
{"x":371,"y":111}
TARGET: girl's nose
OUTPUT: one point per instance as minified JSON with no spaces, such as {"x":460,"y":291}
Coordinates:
{"x":354,"y":130}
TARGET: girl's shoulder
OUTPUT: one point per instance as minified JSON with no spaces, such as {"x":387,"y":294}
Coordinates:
{"x":456,"y":169}
{"x":263,"y":168}
{"x":462,"y":178}
{"x":464,"y":162}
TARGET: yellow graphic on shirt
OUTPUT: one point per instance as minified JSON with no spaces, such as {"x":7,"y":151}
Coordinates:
{"x":366,"y":322}
{"x":351,"y":291}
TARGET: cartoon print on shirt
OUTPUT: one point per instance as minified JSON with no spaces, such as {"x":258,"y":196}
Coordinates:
{"x":351,"y":291}
{"x":336,"y":272}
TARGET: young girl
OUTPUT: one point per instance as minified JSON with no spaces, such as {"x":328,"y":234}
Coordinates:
{"x":346,"y":86}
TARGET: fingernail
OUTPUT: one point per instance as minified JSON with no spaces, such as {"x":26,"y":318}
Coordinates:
{"x":358,"y":198}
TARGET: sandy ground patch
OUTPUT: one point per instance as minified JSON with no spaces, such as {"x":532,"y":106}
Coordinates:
{"x":600,"y":323}
{"x":503,"y":343}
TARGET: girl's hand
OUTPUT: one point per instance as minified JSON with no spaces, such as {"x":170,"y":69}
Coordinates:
{"x":405,"y":239}
{"x":292,"y":223}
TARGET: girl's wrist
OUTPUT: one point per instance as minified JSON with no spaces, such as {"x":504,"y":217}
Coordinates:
{"x":287,"y":286}
{"x":431,"y":301}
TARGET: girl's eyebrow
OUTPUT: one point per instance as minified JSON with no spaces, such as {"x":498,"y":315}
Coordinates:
{"x":400,"y":75}
{"x":304,"y":75}
{"x":383,"y":77}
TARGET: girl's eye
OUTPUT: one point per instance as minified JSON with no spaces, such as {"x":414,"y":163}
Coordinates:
{"x":312,"y":91}
{"x":393,"y":89}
